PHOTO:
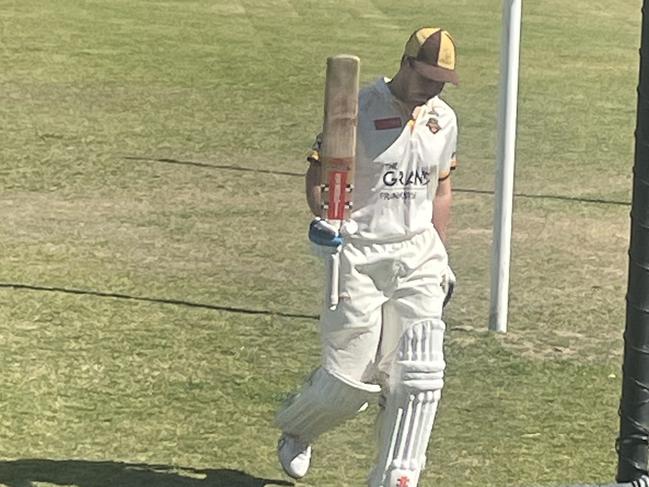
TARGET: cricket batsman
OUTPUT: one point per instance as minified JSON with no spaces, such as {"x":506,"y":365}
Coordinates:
{"x":382,"y":336}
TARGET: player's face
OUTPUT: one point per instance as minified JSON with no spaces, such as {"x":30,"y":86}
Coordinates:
{"x":420,"y":89}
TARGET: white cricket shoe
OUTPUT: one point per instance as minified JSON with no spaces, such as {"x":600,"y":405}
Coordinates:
{"x":294,"y":456}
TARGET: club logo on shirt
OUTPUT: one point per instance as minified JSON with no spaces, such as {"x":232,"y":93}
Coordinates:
{"x":433,"y":125}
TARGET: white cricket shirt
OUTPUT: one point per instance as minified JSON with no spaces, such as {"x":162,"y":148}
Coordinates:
{"x":398,"y":164}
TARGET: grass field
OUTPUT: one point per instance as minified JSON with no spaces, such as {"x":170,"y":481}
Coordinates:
{"x":157,"y":297}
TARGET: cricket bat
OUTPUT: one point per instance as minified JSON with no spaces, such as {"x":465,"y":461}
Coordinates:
{"x":338,"y":152}
{"x":338,"y":149}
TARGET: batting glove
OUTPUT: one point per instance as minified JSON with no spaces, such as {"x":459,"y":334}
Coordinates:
{"x":324,"y":237}
{"x":448,"y":284}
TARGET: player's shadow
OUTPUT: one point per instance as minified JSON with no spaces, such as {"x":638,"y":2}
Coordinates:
{"x":82,"y":473}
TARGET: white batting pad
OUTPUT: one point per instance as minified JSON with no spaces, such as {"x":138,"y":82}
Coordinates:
{"x":325,"y":401}
{"x":416,"y":382}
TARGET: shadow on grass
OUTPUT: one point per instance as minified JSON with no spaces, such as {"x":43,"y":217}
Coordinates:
{"x":178,"y":302}
{"x":81,"y":473}
{"x":207,"y":165}
{"x":600,"y":201}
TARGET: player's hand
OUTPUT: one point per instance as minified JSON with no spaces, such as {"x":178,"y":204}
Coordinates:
{"x":324,"y":237}
{"x":448,"y":284}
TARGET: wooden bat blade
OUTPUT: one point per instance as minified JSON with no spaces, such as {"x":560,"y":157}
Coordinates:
{"x":338,"y":150}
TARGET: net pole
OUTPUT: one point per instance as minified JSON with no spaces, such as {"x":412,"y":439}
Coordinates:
{"x":505,"y":161}
{"x":633,"y":440}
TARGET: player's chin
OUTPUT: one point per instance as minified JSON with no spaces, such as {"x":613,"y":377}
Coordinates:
{"x":418,"y":101}
{"x":421,"y":98}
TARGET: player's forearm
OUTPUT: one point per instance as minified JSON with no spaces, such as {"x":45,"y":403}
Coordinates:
{"x":442,"y":211}
{"x":441,"y":219}
{"x":312,"y":180}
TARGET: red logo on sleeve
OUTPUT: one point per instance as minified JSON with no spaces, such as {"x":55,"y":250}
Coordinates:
{"x":387,"y":123}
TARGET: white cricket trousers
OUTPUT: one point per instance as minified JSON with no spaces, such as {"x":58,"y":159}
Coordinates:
{"x":383,"y":289}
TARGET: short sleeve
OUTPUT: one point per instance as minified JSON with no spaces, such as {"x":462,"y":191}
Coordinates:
{"x":449,"y":162}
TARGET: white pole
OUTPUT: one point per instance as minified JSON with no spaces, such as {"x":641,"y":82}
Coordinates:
{"x":508,"y":104}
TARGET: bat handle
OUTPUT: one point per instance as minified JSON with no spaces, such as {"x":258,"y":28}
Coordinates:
{"x":334,"y":276}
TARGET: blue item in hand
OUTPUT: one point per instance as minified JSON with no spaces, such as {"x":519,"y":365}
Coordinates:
{"x":323,"y":233}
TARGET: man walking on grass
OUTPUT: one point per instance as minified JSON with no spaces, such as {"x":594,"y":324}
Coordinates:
{"x":383,"y":340}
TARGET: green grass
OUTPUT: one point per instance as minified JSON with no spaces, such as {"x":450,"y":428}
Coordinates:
{"x":123,"y":124}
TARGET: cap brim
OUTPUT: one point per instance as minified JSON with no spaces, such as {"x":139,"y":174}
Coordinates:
{"x":435,"y":73}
